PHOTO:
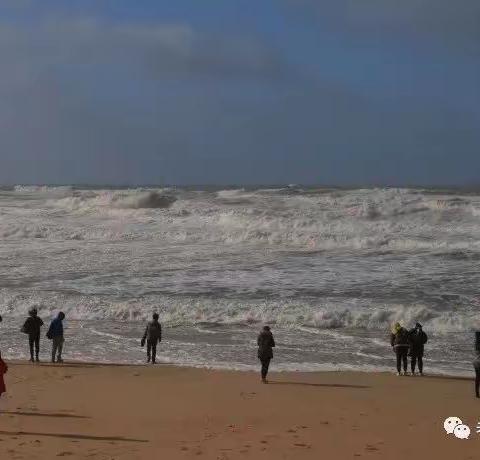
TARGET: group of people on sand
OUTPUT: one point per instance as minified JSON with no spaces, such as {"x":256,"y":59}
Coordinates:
{"x":405,"y":343}
{"x":408,"y":343}
{"x":32,"y":327}
{"x":152,"y":336}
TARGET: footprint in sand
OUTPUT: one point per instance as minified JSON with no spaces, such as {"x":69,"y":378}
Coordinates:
{"x":64,"y":454}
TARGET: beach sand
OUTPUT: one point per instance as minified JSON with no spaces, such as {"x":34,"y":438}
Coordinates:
{"x":139,"y":412}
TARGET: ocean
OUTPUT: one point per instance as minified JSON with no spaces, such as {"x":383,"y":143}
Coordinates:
{"x":328,"y":269}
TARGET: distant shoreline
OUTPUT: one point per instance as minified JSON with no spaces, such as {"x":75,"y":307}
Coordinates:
{"x":428,"y":189}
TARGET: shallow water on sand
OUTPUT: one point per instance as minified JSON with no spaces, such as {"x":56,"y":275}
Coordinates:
{"x":234,"y":347}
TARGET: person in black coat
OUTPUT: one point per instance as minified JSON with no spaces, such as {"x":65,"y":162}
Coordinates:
{"x":476,"y":364}
{"x":152,"y":336}
{"x":418,"y":339}
{"x":32,"y":327}
{"x":265,"y":343}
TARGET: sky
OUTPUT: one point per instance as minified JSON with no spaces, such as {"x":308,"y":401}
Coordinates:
{"x":337,"y":92}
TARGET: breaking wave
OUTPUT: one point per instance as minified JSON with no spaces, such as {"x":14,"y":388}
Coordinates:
{"x":326,"y":266}
{"x":307,"y":220}
{"x":191,"y":311}
{"x":92,"y":201}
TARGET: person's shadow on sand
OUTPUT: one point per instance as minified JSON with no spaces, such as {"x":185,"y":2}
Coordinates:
{"x":42,"y":414}
{"x":72,"y":436}
{"x":320,"y":385}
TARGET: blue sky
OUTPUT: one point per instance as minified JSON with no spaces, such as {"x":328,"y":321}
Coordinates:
{"x":240,"y":92}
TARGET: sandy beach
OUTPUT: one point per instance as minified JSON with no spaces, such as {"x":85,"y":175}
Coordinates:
{"x":137,"y":412}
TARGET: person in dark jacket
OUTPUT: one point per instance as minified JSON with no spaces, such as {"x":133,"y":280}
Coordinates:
{"x":265,"y":344}
{"x":152,"y":335}
{"x":55,"y":334}
{"x":418,"y":339}
{"x":400,"y":341}
{"x":3,"y":370}
{"x":476,"y":364}
{"x":32,"y":327}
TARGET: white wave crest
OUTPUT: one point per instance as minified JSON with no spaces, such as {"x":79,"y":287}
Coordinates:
{"x":91,"y":201}
{"x":196,"y":312}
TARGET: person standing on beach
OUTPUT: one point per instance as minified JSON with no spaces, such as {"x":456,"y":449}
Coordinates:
{"x":400,"y":342}
{"x":265,"y":344}
{"x":418,"y":339}
{"x":55,"y":334}
{"x":3,"y":371}
{"x":152,"y":335}
{"x":476,"y":364}
{"x":32,"y":327}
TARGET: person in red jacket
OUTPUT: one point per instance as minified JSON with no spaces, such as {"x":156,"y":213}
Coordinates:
{"x":3,"y":370}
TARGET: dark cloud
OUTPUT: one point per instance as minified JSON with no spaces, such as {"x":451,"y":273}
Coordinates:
{"x":174,"y":49}
{"x":441,"y":22}
{"x":87,"y":101}
{"x":91,"y":101}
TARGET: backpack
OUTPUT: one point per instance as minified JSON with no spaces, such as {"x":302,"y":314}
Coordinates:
{"x":27,"y":327}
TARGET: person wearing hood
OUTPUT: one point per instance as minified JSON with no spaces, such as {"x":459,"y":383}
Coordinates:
{"x":418,"y":339}
{"x":400,"y":342}
{"x":32,"y":327}
{"x":265,"y":343}
{"x":55,"y":334}
{"x":153,"y":336}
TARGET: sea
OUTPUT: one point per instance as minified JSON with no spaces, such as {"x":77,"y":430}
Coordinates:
{"x":329,"y":269}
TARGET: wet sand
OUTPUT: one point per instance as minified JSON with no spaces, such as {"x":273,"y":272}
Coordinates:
{"x":83,"y":411}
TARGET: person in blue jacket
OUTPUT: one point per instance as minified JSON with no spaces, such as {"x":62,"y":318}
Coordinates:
{"x":55,"y":334}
